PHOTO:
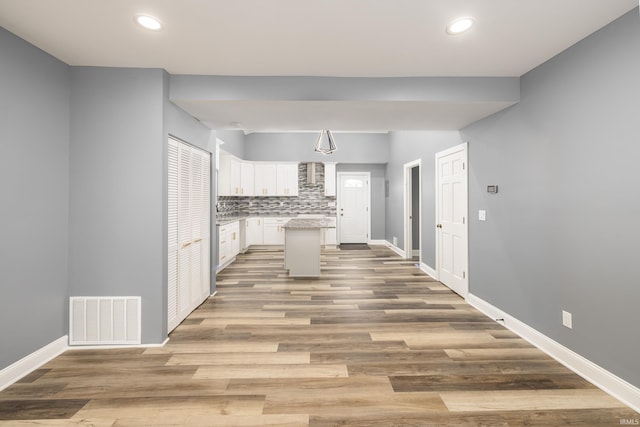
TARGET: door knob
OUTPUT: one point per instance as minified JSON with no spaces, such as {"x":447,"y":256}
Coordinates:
{"x":439,"y":225}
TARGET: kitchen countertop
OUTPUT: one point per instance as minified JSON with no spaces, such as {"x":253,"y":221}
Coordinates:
{"x":303,"y":223}
{"x":230,"y":219}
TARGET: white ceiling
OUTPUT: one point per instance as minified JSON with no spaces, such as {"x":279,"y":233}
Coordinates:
{"x":343,"y":38}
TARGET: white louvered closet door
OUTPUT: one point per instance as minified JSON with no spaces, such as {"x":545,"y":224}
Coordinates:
{"x":172,"y":197}
{"x":205,"y":224}
{"x":193,"y":230}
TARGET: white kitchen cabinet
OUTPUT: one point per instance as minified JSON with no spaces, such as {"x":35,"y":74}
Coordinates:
{"x":274,"y":231}
{"x":228,"y":242}
{"x":255,"y":231}
{"x":246,"y":179}
{"x":229,"y":175}
{"x":330,"y":236}
{"x":287,"y":179}
{"x":265,"y":179}
{"x":329,"y":179}
{"x":234,"y":176}
{"x":224,"y":175}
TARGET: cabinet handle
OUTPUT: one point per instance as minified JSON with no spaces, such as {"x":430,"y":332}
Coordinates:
{"x":184,"y":245}
{"x":198,"y":240}
{"x":223,"y":257}
{"x":234,"y":236}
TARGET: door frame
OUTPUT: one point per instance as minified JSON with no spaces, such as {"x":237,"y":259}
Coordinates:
{"x":408,"y":208}
{"x":464,"y":148}
{"x":367,"y":199}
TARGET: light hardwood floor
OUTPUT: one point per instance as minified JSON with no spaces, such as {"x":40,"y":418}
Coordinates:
{"x":373,"y":342}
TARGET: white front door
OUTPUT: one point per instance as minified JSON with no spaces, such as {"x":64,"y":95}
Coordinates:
{"x":451,"y":221}
{"x":353,"y":207}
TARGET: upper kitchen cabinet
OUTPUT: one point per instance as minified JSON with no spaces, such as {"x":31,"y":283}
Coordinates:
{"x":235,"y":176}
{"x":244,"y":178}
{"x":247,"y":179}
{"x":228,"y":175}
{"x":329,"y":179}
{"x":265,"y":179}
{"x":287,"y":179}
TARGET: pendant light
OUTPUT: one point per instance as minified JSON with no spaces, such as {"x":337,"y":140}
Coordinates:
{"x":330,"y":148}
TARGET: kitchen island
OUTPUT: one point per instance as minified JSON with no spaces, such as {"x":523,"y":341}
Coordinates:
{"x":302,"y":242}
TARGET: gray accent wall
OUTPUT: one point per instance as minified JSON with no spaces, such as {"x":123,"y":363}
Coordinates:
{"x":406,"y":147}
{"x":299,"y":146}
{"x":562,"y":233}
{"x":117,"y":172}
{"x":233,"y":142}
{"x":34,"y":183}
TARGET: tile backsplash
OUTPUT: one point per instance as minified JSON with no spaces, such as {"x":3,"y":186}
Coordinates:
{"x":310,"y":200}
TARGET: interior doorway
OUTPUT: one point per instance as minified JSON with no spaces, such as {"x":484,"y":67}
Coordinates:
{"x":412,"y":210}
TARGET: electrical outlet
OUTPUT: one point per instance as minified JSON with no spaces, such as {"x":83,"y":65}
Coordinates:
{"x":482,"y":215}
{"x":395,"y":241}
{"x":566,"y":319}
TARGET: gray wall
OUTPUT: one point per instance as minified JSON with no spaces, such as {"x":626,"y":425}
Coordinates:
{"x":378,"y":200}
{"x":406,"y":147}
{"x":562,"y":233}
{"x":233,"y":142}
{"x":117,"y":172}
{"x":34,"y":182}
{"x":352,"y":147}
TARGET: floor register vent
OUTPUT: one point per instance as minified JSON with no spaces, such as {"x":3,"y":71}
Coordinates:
{"x":104,"y":320}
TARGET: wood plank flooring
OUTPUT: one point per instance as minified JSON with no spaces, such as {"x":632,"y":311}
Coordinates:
{"x":373,"y":342}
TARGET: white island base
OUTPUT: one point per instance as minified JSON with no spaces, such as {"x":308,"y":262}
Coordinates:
{"x":302,"y":247}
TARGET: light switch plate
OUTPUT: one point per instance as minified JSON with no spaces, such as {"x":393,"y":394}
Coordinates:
{"x":566,"y":319}
{"x":482,"y":215}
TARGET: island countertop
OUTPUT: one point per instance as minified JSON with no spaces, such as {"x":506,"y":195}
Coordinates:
{"x":303,"y":223}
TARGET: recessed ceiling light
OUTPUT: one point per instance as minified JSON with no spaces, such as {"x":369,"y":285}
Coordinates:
{"x":148,"y":22}
{"x":459,"y":26}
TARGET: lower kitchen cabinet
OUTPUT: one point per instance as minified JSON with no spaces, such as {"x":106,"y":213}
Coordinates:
{"x":254,"y":231}
{"x":228,"y":242}
{"x":274,"y":231}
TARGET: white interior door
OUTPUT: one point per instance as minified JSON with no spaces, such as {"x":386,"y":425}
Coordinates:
{"x":353,"y":207}
{"x":451,"y":218}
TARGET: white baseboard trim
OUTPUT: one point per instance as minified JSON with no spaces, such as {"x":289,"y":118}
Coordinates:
{"x":429,"y":271}
{"x":120,"y":346}
{"x":35,"y":360}
{"x":213,"y":294}
{"x":378,"y":242}
{"x":395,"y":249}
{"x":31,"y":362}
{"x":617,"y":387}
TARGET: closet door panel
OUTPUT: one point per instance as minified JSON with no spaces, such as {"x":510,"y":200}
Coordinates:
{"x":189,"y":229}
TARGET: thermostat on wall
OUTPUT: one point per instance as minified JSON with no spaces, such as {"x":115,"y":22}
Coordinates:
{"x":492,"y":189}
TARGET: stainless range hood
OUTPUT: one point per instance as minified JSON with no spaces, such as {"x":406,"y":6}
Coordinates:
{"x":311,"y":173}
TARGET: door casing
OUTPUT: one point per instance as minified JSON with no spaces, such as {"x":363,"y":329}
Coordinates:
{"x":408,"y":205}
